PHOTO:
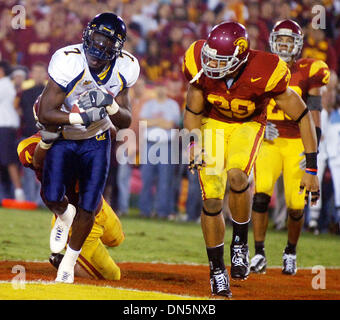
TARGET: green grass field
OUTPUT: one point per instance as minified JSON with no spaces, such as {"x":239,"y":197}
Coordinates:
{"x":24,"y":235}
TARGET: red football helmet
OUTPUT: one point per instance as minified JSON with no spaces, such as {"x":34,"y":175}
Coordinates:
{"x":225,"y":50}
{"x":286,"y":51}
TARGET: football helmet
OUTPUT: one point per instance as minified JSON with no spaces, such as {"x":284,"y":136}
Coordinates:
{"x":225,"y":50}
{"x":111,"y":26}
{"x":286,"y":51}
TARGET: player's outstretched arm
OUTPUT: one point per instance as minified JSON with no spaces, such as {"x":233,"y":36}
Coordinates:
{"x":291,"y":103}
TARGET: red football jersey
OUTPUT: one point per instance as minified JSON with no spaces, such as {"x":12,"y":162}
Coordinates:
{"x":306,"y":74}
{"x":263,"y":77}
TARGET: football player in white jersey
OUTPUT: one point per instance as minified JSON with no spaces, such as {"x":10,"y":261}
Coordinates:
{"x":86,"y":96}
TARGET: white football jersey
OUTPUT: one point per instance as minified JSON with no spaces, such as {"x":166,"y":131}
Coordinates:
{"x":69,"y":69}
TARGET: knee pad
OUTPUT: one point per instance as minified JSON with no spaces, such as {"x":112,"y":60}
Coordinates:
{"x":211,"y":214}
{"x":261,"y":202}
{"x":295,"y":215}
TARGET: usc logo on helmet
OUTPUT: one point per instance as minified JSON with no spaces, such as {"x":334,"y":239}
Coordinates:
{"x":242,"y":43}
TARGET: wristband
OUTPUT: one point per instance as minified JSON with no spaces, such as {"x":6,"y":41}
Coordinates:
{"x":113,"y":108}
{"x":44,"y":145}
{"x":75,"y":118}
{"x":313,"y":172}
{"x":311,"y":160}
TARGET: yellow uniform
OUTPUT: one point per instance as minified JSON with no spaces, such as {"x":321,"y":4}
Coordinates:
{"x":234,"y":116}
{"x":283,"y":155}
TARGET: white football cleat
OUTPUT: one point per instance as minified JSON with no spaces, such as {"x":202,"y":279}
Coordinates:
{"x":65,"y":275}
{"x":60,"y":230}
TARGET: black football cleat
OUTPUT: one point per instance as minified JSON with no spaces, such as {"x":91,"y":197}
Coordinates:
{"x":258,"y":264}
{"x":219,"y":282}
{"x":55,"y":259}
{"x":289,"y":264}
{"x":239,"y":255}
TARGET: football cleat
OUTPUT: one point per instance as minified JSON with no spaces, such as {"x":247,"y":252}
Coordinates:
{"x":65,"y":276}
{"x":219,"y":282}
{"x":289,"y":264}
{"x":239,"y":255}
{"x":60,"y":230}
{"x":258,"y":264}
{"x":65,"y":273}
{"x":55,"y":259}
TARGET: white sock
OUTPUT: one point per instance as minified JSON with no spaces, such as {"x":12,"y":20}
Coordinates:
{"x":68,"y":215}
{"x":70,"y":257}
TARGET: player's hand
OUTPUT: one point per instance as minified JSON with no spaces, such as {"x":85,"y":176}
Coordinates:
{"x":271,"y":132}
{"x":95,"y":98}
{"x":196,"y":158}
{"x":302,"y":163}
{"x":311,"y":184}
{"x":48,"y":134}
{"x":92,"y":115}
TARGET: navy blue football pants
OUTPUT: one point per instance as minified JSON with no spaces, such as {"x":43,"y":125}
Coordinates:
{"x":86,"y":161}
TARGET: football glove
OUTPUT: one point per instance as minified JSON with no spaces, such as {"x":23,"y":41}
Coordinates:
{"x":95,"y":98}
{"x":302,"y":163}
{"x":271,"y":132}
{"x":47,"y":136}
{"x":92,"y":115}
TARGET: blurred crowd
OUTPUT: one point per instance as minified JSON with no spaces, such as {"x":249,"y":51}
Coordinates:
{"x":159,"y":32}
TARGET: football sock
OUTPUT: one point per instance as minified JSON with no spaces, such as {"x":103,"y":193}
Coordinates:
{"x":290,"y":248}
{"x":215,"y":256}
{"x":70,"y":257}
{"x":240,"y":232}
{"x":259,"y":247}
{"x":68,"y":215}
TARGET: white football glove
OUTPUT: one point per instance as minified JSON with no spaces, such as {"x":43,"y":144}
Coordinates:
{"x":271,"y":132}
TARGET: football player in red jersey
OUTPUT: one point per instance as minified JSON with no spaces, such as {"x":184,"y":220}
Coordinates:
{"x":230,"y":87}
{"x":282,"y":150}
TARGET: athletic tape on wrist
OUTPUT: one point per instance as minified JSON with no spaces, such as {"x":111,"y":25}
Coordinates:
{"x":44,"y":145}
{"x":113,"y":108}
{"x":75,"y":118}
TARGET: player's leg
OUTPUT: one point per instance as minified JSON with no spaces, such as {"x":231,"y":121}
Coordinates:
{"x":94,"y":261}
{"x":94,"y":257}
{"x":92,"y":172}
{"x":243,"y":146}
{"x":212,"y":180}
{"x":58,"y":172}
{"x":267,"y":169}
{"x":295,"y":202}
{"x":113,"y":234}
